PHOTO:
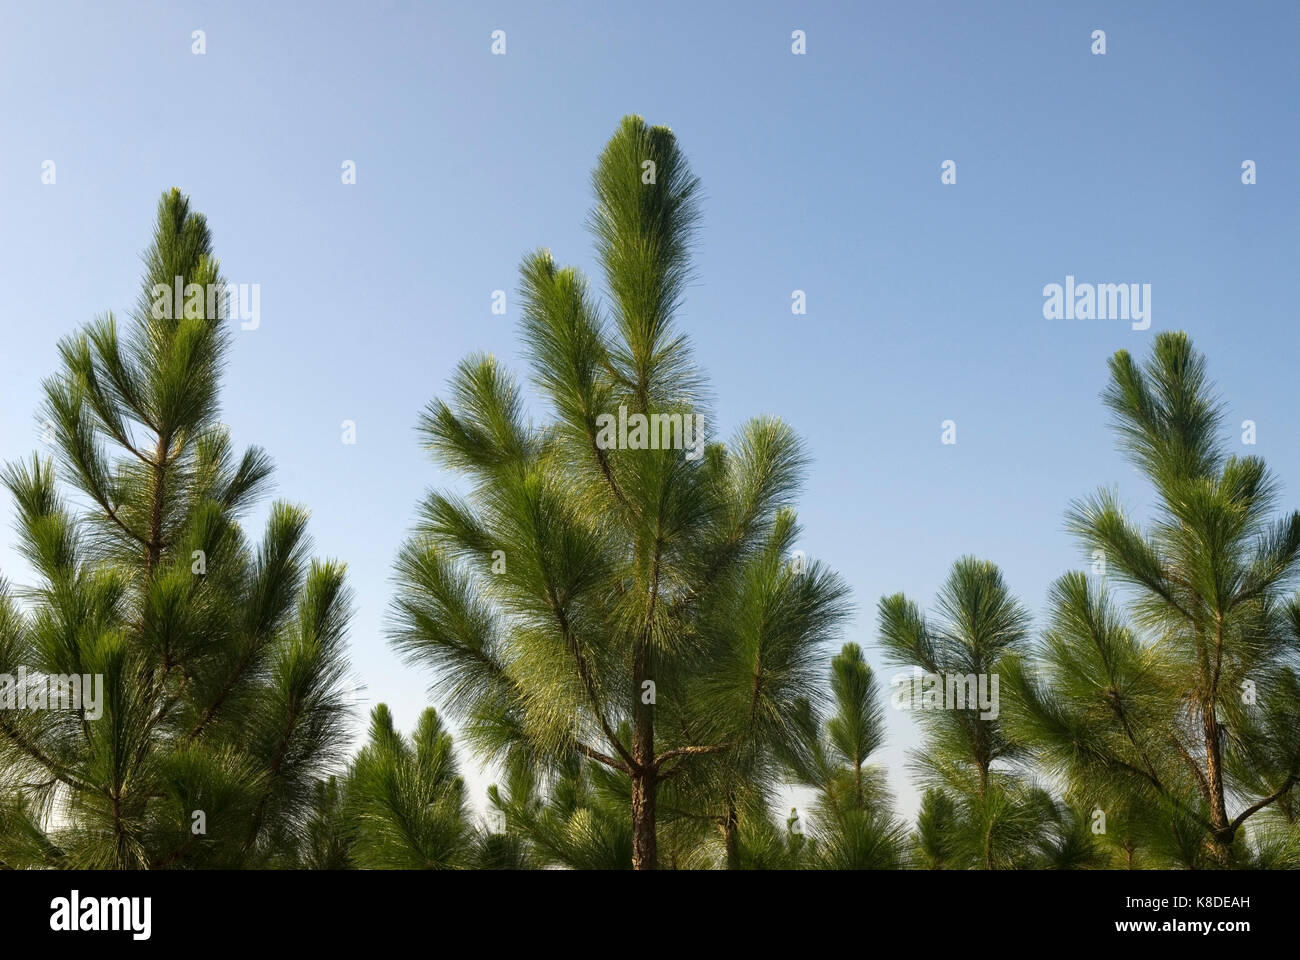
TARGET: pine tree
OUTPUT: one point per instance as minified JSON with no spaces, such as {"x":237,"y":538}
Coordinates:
{"x":402,"y":805}
{"x":405,"y":801}
{"x":971,"y":765}
{"x":578,"y":601}
{"x":1178,"y":705}
{"x":576,"y":819}
{"x":221,"y":663}
{"x":854,"y":827}
{"x":934,"y":842}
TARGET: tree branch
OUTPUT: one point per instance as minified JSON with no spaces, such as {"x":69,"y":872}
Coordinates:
{"x":607,"y":760}
{"x":588,"y":682}
{"x":1254,"y":808}
{"x":691,"y":752}
{"x":40,"y":757}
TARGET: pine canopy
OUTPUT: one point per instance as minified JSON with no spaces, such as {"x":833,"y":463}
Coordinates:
{"x":222,"y":660}
{"x":615,"y":621}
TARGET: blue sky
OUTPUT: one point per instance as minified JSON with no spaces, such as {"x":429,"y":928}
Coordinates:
{"x":821,"y":173}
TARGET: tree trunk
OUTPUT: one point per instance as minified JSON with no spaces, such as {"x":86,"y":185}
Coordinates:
{"x":645,"y":845}
{"x":153,"y":549}
{"x":731,"y":834}
{"x":1221,"y":838}
{"x":645,"y":776}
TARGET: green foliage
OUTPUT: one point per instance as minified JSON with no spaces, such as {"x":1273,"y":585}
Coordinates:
{"x":991,"y":816}
{"x":853,"y":825}
{"x":642,"y":617}
{"x":622,"y":632}
{"x":1179,"y":709}
{"x":222,"y":663}
{"x":579,"y":820}
{"x":405,"y":801}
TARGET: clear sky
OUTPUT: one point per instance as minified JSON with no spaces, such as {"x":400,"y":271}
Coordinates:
{"x":821,"y":173}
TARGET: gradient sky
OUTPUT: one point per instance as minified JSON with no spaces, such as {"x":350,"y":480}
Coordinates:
{"x":821,"y":173}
